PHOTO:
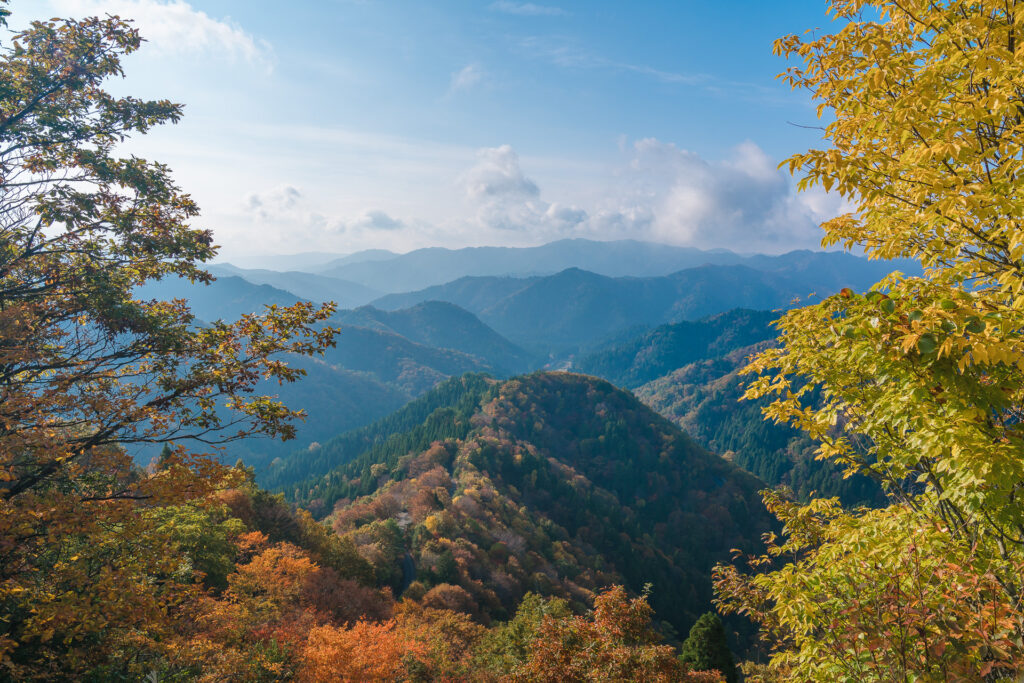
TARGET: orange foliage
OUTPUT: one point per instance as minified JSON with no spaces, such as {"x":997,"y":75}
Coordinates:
{"x":366,"y":652}
{"x":616,"y":643}
{"x":450,"y":639}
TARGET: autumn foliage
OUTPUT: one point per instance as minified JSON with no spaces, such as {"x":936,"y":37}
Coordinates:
{"x":615,"y":644}
{"x":921,"y":380}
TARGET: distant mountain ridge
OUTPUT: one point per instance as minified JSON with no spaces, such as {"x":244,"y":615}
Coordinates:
{"x":381,"y":360}
{"x":227,"y":298}
{"x":310,"y":286}
{"x":576,"y":309}
{"x":432,"y":266}
{"x":444,"y":325}
{"x":664,"y":349}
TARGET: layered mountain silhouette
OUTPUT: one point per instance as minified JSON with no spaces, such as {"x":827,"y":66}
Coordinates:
{"x":424,"y":268}
{"x":373,"y":368}
{"x":670,"y":337}
{"x":444,"y":325}
{"x":577,"y":309}
{"x":309,"y":286}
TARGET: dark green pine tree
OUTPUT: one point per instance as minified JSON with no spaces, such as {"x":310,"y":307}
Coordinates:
{"x":706,"y":648}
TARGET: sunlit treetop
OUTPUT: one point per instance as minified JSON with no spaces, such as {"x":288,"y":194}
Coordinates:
{"x":927,"y":134}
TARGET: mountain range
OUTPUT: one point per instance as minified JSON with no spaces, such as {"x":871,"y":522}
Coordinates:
{"x":630,"y":330}
{"x":453,"y":480}
{"x":422,"y":268}
{"x":309,"y":286}
{"x":577,"y":309}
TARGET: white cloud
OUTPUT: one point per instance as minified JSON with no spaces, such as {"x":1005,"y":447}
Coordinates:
{"x":505,"y":199}
{"x":276,"y":203}
{"x":497,"y":174}
{"x":401,"y":194}
{"x":175,"y":27}
{"x":285,"y":205}
{"x":661,"y":193}
{"x":527,"y":9}
{"x":742,"y":202}
{"x":368,"y":221}
{"x":466,"y":78}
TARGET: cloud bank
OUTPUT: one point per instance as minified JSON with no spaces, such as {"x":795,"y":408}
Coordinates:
{"x":660,"y":193}
{"x":654,"y":191}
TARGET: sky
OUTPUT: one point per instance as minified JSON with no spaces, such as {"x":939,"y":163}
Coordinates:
{"x":339,"y":125}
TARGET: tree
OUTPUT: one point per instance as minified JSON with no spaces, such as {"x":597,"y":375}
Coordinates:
{"x":921,"y":379}
{"x":706,"y":647}
{"x":87,"y":572}
{"x":366,"y":652}
{"x":616,"y":644}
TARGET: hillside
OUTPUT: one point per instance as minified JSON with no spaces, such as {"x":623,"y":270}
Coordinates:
{"x":334,"y":398}
{"x":689,"y":373}
{"x":408,"y":428}
{"x":664,"y":349}
{"x":703,"y":398}
{"x":392,"y":359}
{"x":446,"y":326}
{"x":555,"y":483}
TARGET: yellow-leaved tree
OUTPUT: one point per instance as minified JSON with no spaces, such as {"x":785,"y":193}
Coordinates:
{"x":922,"y":379}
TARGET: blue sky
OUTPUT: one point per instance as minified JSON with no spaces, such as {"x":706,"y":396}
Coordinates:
{"x":338,"y":125}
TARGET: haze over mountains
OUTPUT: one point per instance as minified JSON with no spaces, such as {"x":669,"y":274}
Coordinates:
{"x":388,"y":272}
{"x":506,"y":311}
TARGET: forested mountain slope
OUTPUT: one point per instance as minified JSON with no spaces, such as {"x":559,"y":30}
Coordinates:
{"x":704,"y":399}
{"x":372,"y":370}
{"x":367,"y":375}
{"x":689,"y":373}
{"x":432,"y":416}
{"x":556,"y":483}
{"x":446,"y":326}
{"x":668,"y":347}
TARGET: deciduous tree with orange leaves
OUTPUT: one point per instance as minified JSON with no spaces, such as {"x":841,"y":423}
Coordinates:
{"x":89,"y":575}
{"x":617,"y":643}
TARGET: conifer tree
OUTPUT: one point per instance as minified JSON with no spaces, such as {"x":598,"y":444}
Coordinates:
{"x":706,"y":647}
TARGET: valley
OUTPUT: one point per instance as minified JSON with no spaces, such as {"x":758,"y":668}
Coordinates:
{"x":427,"y":447}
